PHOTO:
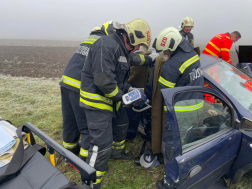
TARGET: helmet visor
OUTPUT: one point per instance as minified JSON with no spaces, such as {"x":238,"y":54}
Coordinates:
{"x":188,"y":27}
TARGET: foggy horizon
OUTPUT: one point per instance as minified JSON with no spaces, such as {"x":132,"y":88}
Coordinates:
{"x":63,"y":20}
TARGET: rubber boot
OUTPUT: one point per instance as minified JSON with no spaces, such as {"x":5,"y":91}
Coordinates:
{"x":97,"y":186}
{"x":120,"y":155}
{"x":75,"y":150}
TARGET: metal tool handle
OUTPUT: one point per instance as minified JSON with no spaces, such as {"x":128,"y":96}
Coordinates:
{"x":143,"y":109}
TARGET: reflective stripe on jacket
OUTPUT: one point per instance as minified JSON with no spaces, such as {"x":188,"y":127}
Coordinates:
{"x":191,"y":105}
{"x":134,"y":58}
{"x":71,"y":78}
{"x":105,"y":74}
{"x":182,"y":69}
{"x":139,"y":60}
{"x":219,"y":46}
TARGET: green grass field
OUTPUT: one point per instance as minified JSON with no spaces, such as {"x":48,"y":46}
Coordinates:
{"x":38,"y":101}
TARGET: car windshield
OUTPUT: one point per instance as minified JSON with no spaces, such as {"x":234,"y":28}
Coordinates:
{"x":235,"y":82}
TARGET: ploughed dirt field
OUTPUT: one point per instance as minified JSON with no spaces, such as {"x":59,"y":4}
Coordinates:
{"x":35,"y":62}
{"x":41,"y":61}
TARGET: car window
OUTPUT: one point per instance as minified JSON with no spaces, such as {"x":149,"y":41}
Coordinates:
{"x":235,"y":82}
{"x":200,"y":117}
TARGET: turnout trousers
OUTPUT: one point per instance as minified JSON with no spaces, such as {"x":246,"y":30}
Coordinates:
{"x":74,"y":121}
{"x":106,"y":139}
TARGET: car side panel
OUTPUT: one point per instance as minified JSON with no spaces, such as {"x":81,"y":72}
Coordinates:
{"x":214,"y":158}
{"x":245,"y":154}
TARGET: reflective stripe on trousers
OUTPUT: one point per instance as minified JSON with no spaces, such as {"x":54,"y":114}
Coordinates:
{"x":83,"y":152}
{"x":70,"y":81}
{"x":93,"y":156}
{"x":70,"y":145}
{"x":99,"y":177}
{"x":118,"y":145}
{"x":100,"y":139}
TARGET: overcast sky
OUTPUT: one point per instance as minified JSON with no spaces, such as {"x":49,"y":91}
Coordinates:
{"x":72,"y":20}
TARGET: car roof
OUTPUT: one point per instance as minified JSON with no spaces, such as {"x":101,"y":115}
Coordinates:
{"x":206,"y":60}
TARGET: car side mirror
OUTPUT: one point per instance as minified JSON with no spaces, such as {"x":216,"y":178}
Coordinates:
{"x":246,"y":125}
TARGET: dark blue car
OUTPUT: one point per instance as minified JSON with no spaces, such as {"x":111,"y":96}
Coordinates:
{"x":213,"y":140}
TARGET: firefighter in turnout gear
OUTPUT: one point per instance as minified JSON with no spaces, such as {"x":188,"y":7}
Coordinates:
{"x":220,"y":45}
{"x":187,"y":25}
{"x":181,"y":69}
{"x":73,"y":115}
{"x":103,"y":82}
{"x":74,"y":119}
{"x":134,"y":58}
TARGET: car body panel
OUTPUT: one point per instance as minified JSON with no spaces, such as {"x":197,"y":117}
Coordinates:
{"x":243,"y":162}
{"x":214,"y":157}
{"x":226,"y":154}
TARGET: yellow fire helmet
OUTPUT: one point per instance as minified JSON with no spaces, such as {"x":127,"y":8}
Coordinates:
{"x":108,"y":28}
{"x":188,"y":21}
{"x":168,"y":39}
{"x":138,"y":32}
{"x":96,"y":28}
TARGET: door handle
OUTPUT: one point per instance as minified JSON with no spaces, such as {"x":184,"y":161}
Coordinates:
{"x":194,"y":171}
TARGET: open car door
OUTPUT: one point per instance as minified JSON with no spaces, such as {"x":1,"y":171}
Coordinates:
{"x":204,"y":141}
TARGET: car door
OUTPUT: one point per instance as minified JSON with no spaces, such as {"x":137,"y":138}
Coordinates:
{"x":243,"y":162}
{"x":204,"y":145}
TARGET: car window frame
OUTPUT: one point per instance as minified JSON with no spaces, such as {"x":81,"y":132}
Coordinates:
{"x":213,"y":136}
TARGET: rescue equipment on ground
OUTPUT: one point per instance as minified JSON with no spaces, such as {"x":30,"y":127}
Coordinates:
{"x":148,"y":159}
{"x":28,"y":168}
{"x":6,"y":141}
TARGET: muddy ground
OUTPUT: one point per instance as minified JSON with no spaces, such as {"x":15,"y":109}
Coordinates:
{"x":38,"y":62}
